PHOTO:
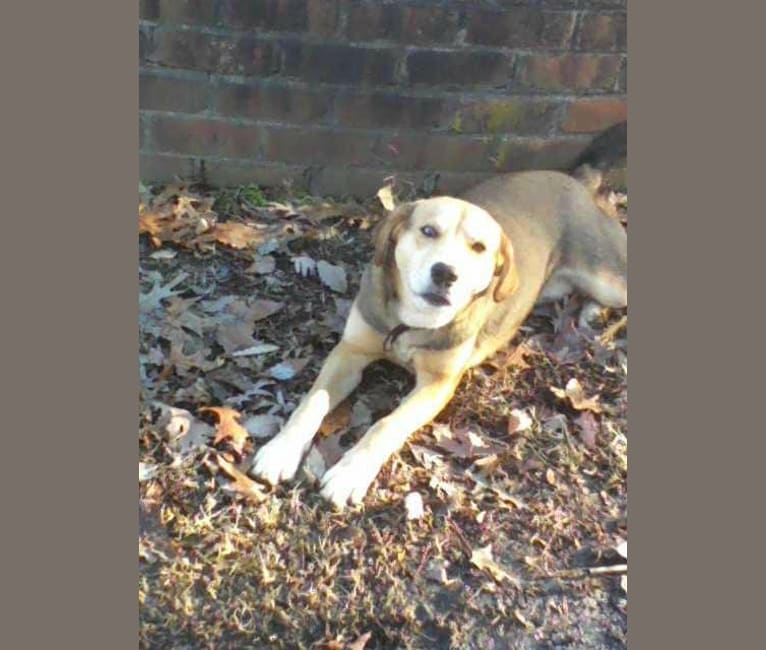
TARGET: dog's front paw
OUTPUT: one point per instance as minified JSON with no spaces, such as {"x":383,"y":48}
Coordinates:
{"x":278,"y":460}
{"x":349,"y":478}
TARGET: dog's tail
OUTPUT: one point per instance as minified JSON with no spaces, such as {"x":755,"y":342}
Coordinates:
{"x":608,"y":150}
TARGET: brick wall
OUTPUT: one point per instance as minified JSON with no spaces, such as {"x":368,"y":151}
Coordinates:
{"x":337,"y":95}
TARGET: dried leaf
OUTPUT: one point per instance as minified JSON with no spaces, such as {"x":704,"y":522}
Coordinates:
{"x":183,"y":430}
{"x":460,"y":443}
{"x":330,"y":449}
{"x":236,"y":235}
{"x":260,"y":348}
{"x":589,"y":428}
{"x":436,"y":570}
{"x":262,"y":265}
{"x":360,"y":642}
{"x":304,"y":265}
{"x":576,"y":395}
{"x":519,"y":421}
{"x":258,"y":309}
{"x":361,"y":416}
{"x":482,"y":559}
{"x":146,"y":472}
{"x":234,"y":337}
{"x":263,"y":426}
{"x":160,"y":292}
{"x":426,"y":457}
{"x":228,"y":430}
{"x":550,"y":477}
{"x":337,"y":420}
{"x":413,"y":504}
{"x":242,"y":484}
{"x":313,"y":465}
{"x":165,"y":254}
{"x":287,"y":369}
{"x":386,"y":197}
{"x":332,"y":276}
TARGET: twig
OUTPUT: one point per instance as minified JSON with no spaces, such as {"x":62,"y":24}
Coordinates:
{"x":614,"y":569}
{"x":609,"y":333}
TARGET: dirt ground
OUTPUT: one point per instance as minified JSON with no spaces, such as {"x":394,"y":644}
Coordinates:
{"x":523,"y":477}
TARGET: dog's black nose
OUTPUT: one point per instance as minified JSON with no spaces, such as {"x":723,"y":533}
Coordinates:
{"x":443,"y":275}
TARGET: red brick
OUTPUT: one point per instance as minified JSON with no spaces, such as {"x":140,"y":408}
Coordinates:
{"x":315,"y":146}
{"x":323,"y":17}
{"x":363,"y":183}
{"x":389,"y":109}
{"x":145,"y":44}
{"x":180,"y":12}
{"x":422,"y":25}
{"x":568,"y":72}
{"x":519,"y":155}
{"x":519,"y":116}
{"x":210,"y":53}
{"x":413,"y":151}
{"x":373,"y":21}
{"x":270,"y":15}
{"x":204,"y":137}
{"x":149,"y":9}
{"x":163,"y":168}
{"x":233,"y":173}
{"x":269,"y":101}
{"x":602,"y":4}
{"x":335,"y":63}
{"x":163,"y":93}
{"x":622,"y":81}
{"x":520,"y":27}
{"x":603,"y":32}
{"x":458,"y":68}
{"x":394,"y":22}
{"x":594,"y":115}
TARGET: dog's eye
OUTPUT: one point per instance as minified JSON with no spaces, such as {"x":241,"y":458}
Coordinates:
{"x":430,"y":232}
{"x":478,"y":247}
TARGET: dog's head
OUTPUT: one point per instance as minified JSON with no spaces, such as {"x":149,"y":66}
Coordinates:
{"x":443,"y":252}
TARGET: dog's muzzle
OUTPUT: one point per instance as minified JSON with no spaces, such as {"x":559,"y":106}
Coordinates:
{"x":442,"y":278}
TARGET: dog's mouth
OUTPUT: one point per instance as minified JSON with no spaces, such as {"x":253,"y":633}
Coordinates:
{"x":436,"y":299}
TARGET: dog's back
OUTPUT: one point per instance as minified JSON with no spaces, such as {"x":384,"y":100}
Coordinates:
{"x":562,"y":243}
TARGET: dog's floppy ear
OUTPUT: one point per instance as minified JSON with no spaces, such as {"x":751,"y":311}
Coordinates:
{"x":505,"y":269}
{"x":388,"y":232}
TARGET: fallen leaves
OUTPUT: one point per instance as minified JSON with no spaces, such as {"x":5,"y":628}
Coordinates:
{"x":413,"y":505}
{"x":462,"y":443}
{"x":576,"y":395}
{"x":236,"y":235}
{"x":287,"y":370}
{"x":263,"y":426}
{"x":483,"y":560}
{"x":332,"y":276}
{"x":386,"y":197}
{"x":228,"y":429}
{"x":241,"y":483}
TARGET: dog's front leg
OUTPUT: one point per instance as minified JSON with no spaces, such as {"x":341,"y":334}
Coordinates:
{"x":352,"y":475}
{"x":279,"y":459}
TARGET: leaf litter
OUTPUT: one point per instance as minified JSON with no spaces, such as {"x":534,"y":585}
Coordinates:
{"x":518,"y":483}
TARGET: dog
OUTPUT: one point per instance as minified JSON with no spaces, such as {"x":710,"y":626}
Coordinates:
{"x":451,"y":281}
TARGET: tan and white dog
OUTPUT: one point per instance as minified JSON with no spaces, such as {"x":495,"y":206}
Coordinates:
{"x":451,"y":281}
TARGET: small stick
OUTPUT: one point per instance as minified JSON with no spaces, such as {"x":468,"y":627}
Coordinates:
{"x":610,"y":331}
